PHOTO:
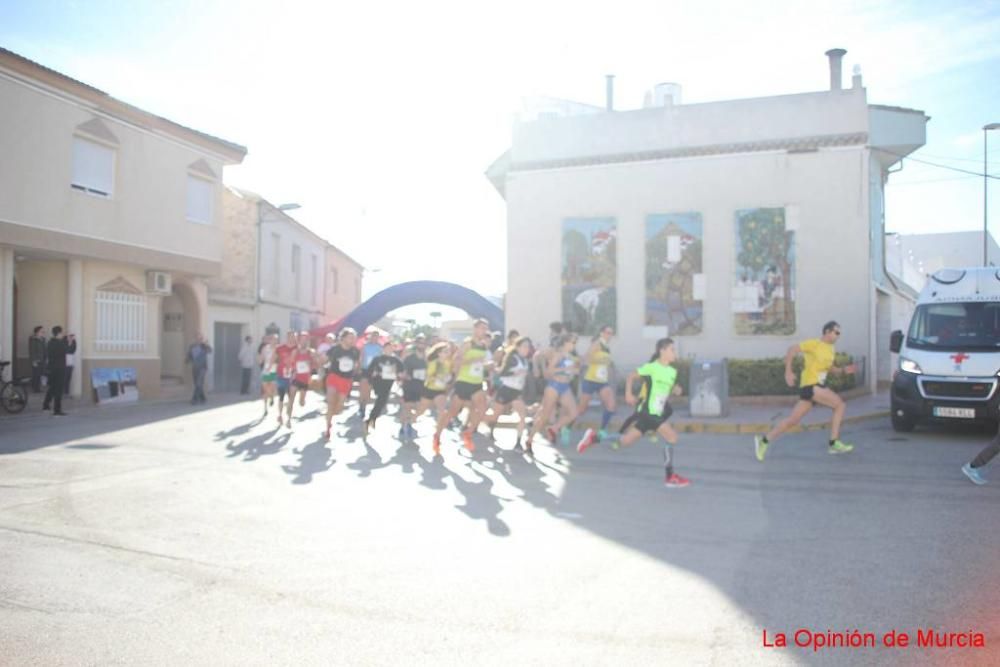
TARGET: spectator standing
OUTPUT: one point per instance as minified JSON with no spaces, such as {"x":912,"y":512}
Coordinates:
{"x":58,"y":348}
{"x":70,"y":360}
{"x":248,"y":358}
{"x":36,"y":354}
{"x":198,"y":358}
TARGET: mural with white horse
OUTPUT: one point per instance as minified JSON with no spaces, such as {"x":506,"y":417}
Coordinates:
{"x":589,"y":297}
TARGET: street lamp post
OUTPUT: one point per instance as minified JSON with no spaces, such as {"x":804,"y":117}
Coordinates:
{"x":986,"y":179}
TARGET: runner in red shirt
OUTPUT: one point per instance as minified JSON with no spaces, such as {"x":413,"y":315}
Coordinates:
{"x":303,"y":363}
{"x":285,"y":355}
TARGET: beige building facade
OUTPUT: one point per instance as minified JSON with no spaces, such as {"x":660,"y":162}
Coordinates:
{"x":110,"y":226}
{"x":738,"y":228}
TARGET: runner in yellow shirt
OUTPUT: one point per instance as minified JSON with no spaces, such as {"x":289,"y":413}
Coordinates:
{"x":818,"y":355}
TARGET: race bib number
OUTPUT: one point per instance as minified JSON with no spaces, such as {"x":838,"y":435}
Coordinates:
{"x":388,"y":372}
{"x":420,"y":375}
{"x":658,"y":403}
{"x":302,"y":367}
{"x":476,"y":369}
{"x":345,"y":365}
{"x":286,"y":372}
{"x":601,"y":373}
{"x":822,"y":378}
{"x":514,"y":382}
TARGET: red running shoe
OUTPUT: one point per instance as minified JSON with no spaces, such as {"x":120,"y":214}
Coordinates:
{"x":675,"y":481}
{"x":467,"y":439}
{"x":589,"y":438}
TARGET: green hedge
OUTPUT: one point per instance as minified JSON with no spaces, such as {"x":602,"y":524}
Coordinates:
{"x":764,"y":377}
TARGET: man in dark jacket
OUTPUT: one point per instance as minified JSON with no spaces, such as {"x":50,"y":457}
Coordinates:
{"x":198,"y":358}
{"x":57,"y":350}
{"x":36,"y":354}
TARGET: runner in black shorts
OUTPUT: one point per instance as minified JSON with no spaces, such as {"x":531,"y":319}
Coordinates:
{"x":415,"y":370}
{"x":514,"y":369}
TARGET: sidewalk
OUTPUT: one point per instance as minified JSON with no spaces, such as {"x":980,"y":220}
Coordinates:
{"x":759,"y":416}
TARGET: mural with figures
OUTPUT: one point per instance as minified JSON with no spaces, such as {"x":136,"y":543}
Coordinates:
{"x":588,"y":274}
{"x":763,"y":297}
{"x":675,"y":284}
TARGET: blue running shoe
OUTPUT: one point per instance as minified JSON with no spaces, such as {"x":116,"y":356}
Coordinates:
{"x":973,"y":474}
{"x":564,"y":434}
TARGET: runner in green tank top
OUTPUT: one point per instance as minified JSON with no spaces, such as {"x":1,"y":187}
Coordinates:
{"x":471,"y":361}
{"x":652,"y":408}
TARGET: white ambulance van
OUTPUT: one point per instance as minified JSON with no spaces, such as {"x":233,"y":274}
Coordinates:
{"x":950,"y":359}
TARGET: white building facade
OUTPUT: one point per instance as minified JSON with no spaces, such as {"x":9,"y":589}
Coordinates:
{"x":737,"y":227}
{"x":110,"y":224}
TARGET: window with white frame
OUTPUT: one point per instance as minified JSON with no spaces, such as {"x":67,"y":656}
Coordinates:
{"x":200,"y":195}
{"x":93,"y":167}
{"x":297,"y":272}
{"x":315,"y":280}
{"x":276,"y":264}
{"x":121,"y":322}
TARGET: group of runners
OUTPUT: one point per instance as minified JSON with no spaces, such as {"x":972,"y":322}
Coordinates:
{"x":554,"y":385}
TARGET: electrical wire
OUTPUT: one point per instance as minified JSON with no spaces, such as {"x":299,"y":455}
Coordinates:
{"x":935,"y":164}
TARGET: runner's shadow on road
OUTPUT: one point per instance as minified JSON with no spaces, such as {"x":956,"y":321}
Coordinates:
{"x":313,"y":458}
{"x":257,"y":446}
{"x":242,"y":429}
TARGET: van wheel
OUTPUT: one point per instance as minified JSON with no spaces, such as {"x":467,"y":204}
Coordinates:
{"x":902,"y":423}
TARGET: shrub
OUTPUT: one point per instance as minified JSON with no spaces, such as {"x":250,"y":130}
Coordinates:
{"x":766,"y":377}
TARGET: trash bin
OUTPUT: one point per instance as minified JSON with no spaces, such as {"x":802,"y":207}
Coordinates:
{"x":709,"y":391}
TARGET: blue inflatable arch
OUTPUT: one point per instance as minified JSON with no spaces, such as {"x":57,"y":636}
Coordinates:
{"x":423,"y":291}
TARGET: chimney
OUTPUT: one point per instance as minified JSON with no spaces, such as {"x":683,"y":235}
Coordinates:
{"x":835,"y":56}
{"x":610,"y":92}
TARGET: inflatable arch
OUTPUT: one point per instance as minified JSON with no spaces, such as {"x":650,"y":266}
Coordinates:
{"x":408,"y":294}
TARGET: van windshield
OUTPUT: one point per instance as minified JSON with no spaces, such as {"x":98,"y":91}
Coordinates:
{"x":955,"y":327}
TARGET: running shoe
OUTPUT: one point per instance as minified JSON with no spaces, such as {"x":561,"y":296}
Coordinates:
{"x":326,"y":435}
{"x":973,"y":474}
{"x":589,"y":437}
{"x":760,"y":447}
{"x":602,"y":435}
{"x":564,"y":434}
{"x":437,"y":445}
{"x":467,"y":440}
{"x":411,"y":430}
{"x":616,"y":444}
{"x":528,"y":450}
{"x":839,"y":447}
{"x":551,"y":433}
{"x":402,"y":435}
{"x":675,"y":481}
{"x":518,"y":447}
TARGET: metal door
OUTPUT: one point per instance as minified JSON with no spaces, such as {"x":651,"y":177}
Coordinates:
{"x":225,"y":356}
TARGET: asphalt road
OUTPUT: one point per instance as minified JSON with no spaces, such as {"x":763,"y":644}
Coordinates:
{"x":160,"y":534}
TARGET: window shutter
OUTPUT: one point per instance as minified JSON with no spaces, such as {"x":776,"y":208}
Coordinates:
{"x":93,"y":167}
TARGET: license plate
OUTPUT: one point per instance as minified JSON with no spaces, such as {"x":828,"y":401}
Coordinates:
{"x":961,"y":413}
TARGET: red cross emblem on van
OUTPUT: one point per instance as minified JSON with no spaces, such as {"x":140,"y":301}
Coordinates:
{"x":959,"y":358}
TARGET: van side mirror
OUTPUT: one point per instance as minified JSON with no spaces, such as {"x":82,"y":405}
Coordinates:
{"x":896,"y":341}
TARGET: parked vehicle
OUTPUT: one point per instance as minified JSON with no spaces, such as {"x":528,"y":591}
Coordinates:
{"x":950,"y":358}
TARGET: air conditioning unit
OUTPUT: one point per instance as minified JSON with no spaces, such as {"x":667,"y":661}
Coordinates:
{"x":158,"y":282}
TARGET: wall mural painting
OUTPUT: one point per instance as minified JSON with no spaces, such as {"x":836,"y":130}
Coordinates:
{"x":763,"y":297}
{"x":675,"y":284}
{"x":589,"y":300}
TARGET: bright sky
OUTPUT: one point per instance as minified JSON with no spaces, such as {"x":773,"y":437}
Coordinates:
{"x":380,"y":118}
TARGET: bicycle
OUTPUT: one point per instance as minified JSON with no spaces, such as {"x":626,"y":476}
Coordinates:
{"x":13,"y":395}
